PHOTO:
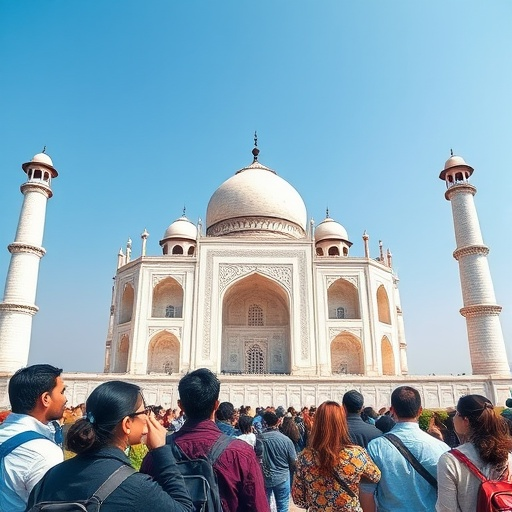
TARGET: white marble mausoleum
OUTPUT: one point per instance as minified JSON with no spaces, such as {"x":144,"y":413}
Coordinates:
{"x":285,"y":311}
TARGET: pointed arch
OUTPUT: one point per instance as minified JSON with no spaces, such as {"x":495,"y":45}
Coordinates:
{"x":383,"y":305}
{"x":164,"y":354}
{"x":256,"y":327}
{"x":388,"y":360}
{"x":121,"y":361}
{"x":177,"y":249}
{"x":167,"y":298}
{"x":126,"y":310}
{"x":334,"y":251}
{"x":344,"y":295}
{"x":347,"y":354}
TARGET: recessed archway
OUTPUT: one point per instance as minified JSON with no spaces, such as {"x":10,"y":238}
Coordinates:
{"x":167,"y":297}
{"x":347,"y":355}
{"x":388,"y":360}
{"x":121,"y":355}
{"x":256,"y":327}
{"x":126,"y":310}
{"x":383,"y":305}
{"x":344,"y":295}
{"x":164,"y":354}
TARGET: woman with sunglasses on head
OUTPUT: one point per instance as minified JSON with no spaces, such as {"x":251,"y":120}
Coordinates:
{"x":486,"y":443}
{"x":116,"y":417}
{"x":328,"y":471}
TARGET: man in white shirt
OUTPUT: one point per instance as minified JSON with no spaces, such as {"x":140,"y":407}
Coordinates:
{"x":36,"y":394}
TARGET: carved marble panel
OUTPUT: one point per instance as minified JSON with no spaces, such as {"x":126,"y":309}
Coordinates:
{"x":282,"y":273}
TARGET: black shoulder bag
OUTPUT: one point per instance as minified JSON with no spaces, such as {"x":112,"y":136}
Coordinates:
{"x":345,"y":486}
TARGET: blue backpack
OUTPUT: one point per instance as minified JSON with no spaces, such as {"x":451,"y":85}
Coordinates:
{"x":8,"y":446}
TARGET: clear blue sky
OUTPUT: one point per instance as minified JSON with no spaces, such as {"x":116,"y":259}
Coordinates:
{"x":147,"y":106}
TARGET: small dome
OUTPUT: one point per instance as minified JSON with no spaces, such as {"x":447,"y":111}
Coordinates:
{"x":41,"y":159}
{"x":256,"y":192}
{"x":455,"y":161}
{"x":329,"y":229}
{"x":181,"y":228}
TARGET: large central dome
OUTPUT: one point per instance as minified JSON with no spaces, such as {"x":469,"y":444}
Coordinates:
{"x":256,"y":202}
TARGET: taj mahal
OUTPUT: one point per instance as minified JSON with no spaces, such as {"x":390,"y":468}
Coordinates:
{"x":284,"y":310}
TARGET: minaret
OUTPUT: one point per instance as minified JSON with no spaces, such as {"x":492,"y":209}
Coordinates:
{"x":18,"y":306}
{"x":485,"y":337}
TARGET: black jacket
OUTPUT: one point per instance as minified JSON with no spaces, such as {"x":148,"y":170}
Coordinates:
{"x":79,"y":477}
{"x":361,"y":432}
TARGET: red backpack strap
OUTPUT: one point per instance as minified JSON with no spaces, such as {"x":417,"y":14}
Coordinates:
{"x":459,"y":455}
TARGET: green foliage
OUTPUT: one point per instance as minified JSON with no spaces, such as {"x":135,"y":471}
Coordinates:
{"x":425,"y":419}
{"x":428,"y":413}
{"x":136,"y":454}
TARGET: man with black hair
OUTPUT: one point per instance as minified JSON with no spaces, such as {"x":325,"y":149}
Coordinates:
{"x":278,"y":461}
{"x":224,"y":416}
{"x":361,"y":433}
{"x":36,"y":395}
{"x":237,"y":469}
{"x":402,"y":488}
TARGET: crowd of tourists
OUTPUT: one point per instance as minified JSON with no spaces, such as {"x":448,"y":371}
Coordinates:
{"x":334,"y":457}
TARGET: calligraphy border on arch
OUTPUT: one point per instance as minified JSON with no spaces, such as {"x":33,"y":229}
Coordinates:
{"x":175,"y":331}
{"x":335,"y":331}
{"x":157,"y":278}
{"x":354,"y":280}
{"x":264,"y":270}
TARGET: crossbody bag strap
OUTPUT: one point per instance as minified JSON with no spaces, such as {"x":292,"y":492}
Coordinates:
{"x":12,"y":443}
{"x":218,"y":447}
{"x":344,"y":484}
{"x":415,"y":463}
{"x":465,"y":460}
{"x":113,"y":482}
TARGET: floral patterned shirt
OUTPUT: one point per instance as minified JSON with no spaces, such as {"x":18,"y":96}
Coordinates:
{"x":317,"y":492}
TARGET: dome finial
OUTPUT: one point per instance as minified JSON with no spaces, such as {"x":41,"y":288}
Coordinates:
{"x":44,"y":150}
{"x":451,"y":152}
{"x":327,"y":213}
{"x":184,"y":210}
{"x":255,"y":150}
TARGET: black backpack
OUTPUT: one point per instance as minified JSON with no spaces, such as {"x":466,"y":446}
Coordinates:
{"x":199,"y":475}
{"x":93,"y":504}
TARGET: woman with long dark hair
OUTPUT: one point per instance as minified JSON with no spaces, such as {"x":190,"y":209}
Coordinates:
{"x":290,"y":429}
{"x":116,"y":417}
{"x":487,"y":445}
{"x":329,"y":470}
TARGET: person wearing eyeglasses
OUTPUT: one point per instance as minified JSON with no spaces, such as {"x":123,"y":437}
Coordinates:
{"x":116,"y":418}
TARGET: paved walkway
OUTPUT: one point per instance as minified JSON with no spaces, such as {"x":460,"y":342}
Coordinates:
{"x":292,"y":508}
